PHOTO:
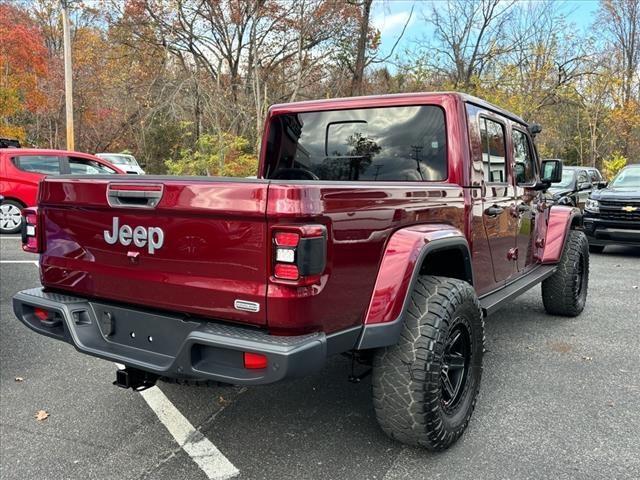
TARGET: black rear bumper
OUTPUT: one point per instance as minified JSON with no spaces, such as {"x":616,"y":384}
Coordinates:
{"x":171,"y":346}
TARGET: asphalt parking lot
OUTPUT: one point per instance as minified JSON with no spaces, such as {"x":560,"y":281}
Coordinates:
{"x":560,"y":398}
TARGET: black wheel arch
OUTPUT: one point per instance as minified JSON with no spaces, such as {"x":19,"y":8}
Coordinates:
{"x":452,"y":252}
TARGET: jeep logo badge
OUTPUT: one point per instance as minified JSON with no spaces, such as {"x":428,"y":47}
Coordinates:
{"x":152,"y":237}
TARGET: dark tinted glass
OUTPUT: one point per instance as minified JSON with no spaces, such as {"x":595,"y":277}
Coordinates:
{"x":49,"y":165}
{"x":377,"y":144}
{"x":493,"y":151}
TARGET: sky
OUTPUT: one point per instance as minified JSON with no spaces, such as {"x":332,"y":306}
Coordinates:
{"x":390,"y":16}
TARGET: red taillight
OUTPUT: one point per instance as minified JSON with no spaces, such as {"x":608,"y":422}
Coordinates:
{"x":286,"y":271}
{"x":41,"y":313}
{"x":299,"y":253}
{"x":287,"y":239}
{"x":30,"y":234}
{"x":255,"y":361}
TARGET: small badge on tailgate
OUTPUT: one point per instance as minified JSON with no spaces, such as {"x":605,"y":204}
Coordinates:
{"x":152,"y":237}
{"x":246,"y":306}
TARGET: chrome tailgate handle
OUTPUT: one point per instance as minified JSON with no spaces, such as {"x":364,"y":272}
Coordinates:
{"x":135,"y":196}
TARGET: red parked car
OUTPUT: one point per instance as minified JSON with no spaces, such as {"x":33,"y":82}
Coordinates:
{"x":21,"y":169}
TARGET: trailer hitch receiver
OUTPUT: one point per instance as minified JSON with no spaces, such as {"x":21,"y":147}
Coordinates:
{"x":135,"y":379}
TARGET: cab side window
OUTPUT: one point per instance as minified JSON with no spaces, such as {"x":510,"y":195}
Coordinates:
{"x":493,"y":151}
{"x":524,"y":166}
{"x":47,"y":164}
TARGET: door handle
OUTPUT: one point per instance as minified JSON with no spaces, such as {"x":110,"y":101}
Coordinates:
{"x":493,"y":211}
{"x":518,"y":210}
{"x":132,"y":195}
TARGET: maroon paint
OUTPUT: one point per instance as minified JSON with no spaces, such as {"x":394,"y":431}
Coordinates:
{"x":213,"y":253}
{"x":557,"y":228}
{"x":360,"y":219}
{"x":397,"y":267}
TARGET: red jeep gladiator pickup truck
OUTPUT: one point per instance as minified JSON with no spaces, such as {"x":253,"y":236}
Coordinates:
{"x":385,"y":228}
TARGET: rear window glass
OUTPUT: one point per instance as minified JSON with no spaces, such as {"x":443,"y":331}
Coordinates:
{"x":376,"y":144}
{"x":46,"y":164}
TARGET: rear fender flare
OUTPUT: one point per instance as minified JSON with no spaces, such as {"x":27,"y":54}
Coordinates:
{"x":404,"y":255}
{"x":561,"y":220}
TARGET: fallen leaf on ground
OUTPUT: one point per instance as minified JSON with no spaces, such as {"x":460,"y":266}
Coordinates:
{"x":584,"y":357}
{"x":41,"y":415}
{"x":560,"y":347}
{"x":610,"y":403}
{"x":222,"y":400}
{"x":19,"y":379}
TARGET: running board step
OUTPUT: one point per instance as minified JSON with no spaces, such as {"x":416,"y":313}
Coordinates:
{"x":493,"y":301}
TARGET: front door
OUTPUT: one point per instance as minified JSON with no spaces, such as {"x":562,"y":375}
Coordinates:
{"x":498,"y":197}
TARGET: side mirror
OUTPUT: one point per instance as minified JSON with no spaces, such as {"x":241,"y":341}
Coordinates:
{"x":603,"y":184}
{"x":585,"y":186}
{"x":534,"y":129}
{"x":551,"y":173}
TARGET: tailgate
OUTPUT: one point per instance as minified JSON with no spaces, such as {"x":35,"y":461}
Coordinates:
{"x":189,"y":245}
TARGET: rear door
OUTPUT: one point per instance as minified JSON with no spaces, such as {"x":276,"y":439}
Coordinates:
{"x":498,"y":199}
{"x":25,"y":171}
{"x":186,"y":245}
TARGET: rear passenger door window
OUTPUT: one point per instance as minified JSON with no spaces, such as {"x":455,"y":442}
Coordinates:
{"x":524,"y":165}
{"x":86,"y":166}
{"x":493,"y":151}
{"x":45,"y":164}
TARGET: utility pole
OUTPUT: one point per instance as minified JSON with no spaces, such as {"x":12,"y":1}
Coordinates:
{"x":68,"y":79}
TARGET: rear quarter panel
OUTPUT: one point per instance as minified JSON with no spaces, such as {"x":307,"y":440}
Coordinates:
{"x":360,"y":220}
{"x":17,"y":184}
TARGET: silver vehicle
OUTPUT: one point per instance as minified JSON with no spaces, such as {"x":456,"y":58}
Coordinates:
{"x":124,"y":161}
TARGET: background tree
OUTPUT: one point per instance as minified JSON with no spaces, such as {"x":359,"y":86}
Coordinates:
{"x":185,"y":84}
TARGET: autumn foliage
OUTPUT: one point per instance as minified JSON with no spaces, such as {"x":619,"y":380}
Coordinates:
{"x":185,"y":85}
{"x":22,"y":67}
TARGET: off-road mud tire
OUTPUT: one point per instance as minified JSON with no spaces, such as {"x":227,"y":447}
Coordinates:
{"x":565,"y":292}
{"x":408,"y":390}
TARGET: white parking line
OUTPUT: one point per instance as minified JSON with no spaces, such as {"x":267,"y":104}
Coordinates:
{"x":34,"y":262}
{"x":212,"y":462}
